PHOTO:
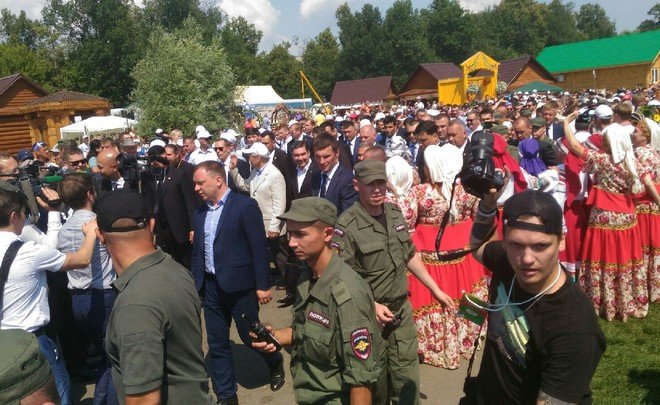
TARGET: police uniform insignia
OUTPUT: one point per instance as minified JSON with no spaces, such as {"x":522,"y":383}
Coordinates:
{"x":400,"y":227}
{"x":339,"y":232}
{"x":318,"y":318}
{"x":361,"y":343}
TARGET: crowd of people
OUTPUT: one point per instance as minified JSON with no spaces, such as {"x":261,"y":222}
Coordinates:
{"x":342,"y":212}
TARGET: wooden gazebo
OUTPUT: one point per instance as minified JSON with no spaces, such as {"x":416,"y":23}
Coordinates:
{"x":46,"y":115}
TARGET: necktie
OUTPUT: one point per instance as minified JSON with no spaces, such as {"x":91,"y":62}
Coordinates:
{"x":324,"y":182}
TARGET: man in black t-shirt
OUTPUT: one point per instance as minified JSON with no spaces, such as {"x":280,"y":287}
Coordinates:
{"x":543,"y":342}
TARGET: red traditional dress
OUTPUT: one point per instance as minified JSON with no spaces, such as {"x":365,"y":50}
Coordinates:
{"x":648,"y":217}
{"x":612,"y":272}
{"x":443,"y":335}
{"x":407,"y":205}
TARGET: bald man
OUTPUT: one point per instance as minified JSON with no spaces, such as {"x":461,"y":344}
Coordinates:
{"x":109,"y":170}
{"x":368,"y":135}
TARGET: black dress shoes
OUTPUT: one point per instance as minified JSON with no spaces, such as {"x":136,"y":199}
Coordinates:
{"x":277,"y":376}
{"x":229,"y":401}
{"x":286,"y":301}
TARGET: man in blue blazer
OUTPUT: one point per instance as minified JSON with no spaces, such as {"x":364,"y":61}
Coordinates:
{"x":230,"y":268}
{"x":334,"y":181}
{"x":554,"y":129}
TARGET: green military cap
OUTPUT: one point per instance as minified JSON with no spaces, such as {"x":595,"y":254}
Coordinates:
{"x":538,"y":122}
{"x":370,"y":170}
{"x":526,"y":112}
{"x":499,"y":129}
{"x":497,"y":115}
{"x":23,"y":368}
{"x":311,"y":209}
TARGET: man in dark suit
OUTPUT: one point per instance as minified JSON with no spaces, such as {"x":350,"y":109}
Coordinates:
{"x":224,"y":148}
{"x":554,"y":129}
{"x":296,"y":132}
{"x":301,"y":178}
{"x":351,"y":139}
{"x":230,"y":268}
{"x":176,"y":207}
{"x":333,"y":182}
{"x":345,"y":154}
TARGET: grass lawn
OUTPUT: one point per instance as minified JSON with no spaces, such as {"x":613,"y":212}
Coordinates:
{"x":629,"y":372}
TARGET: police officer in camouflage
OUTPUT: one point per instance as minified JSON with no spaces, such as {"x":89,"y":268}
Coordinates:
{"x":372,"y":237}
{"x":333,"y":353}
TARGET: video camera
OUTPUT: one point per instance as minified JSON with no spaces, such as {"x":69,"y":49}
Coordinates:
{"x":478,"y":175}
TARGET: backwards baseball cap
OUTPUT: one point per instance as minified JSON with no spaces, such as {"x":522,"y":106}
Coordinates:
{"x":23,"y":368}
{"x":533,"y":203}
{"x":311,"y":209}
{"x":23,"y":154}
{"x":603,"y":112}
{"x":121,"y":204}
{"x":369,"y":170}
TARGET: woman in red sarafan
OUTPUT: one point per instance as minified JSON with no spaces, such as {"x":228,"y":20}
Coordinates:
{"x":444,"y":337}
{"x":647,"y":204}
{"x":612,"y":272}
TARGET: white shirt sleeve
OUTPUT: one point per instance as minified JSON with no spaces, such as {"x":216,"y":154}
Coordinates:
{"x":48,"y":258}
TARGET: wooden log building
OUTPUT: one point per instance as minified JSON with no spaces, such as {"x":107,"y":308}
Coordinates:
{"x":16,"y":91}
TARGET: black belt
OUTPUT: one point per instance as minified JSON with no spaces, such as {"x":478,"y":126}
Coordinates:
{"x":39,"y":332}
{"x":395,"y":305}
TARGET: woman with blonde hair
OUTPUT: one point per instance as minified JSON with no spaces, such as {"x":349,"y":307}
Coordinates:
{"x":444,"y":337}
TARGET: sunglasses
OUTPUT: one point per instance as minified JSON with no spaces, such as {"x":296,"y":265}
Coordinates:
{"x":219,"y":149}
{"x":78,"y":162}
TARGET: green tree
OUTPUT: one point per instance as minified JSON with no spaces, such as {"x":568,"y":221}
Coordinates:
{"x":18,"y":29}
{"x":654,"y":22}
{"x":320,"y":61}
{"x":182,"y":82}
{"x":18,"y":58}
{"x":169,"y":14}
{"x":404,"y":44}
{"x":281,"y":70}
{"x":98,"y":42}
{"x":593,"y":22}
{"x":560,"y":18}
{"x":360,"y":37}
{"x":450,"y":34}
{"x":240,"y":39}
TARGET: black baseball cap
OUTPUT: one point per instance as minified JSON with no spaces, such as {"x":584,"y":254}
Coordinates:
{"x":535,"y":203}
{"x":121,"y":204}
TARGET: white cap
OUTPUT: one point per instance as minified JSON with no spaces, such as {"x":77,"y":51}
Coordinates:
{"x":603,"y":112}
{"x":432,"y":112}
{"x":261,"y":130}
{"x":654,"y":103}
{"x":199,"y":128}
{"x":257,"y":148}
{"x":292,"y":122}
{"x":228,"y":136}
{"x":159,"y":131}
{"x":379,"y":116}
{"x":364,"y":121}
{"x":203,"y":134}
{"x":158,"y":142}
{"x":339,"y":118}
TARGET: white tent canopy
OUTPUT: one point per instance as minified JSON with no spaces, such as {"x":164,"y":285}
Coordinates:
{"x":96,"y":126}
{"x":255,"y":95}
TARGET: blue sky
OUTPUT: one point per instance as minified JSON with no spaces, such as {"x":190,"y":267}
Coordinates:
{"x":303,"y":19}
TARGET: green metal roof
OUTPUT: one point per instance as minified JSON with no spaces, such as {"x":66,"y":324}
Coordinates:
{"x":538,"y":86}
{"x":620,"y":50}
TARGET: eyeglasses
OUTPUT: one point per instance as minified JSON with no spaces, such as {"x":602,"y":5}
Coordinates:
{"x":469,"y":119}
{"x":219,"y":149}
{"x":78,"y":162}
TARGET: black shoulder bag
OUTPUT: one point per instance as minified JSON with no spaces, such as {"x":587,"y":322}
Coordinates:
{"x":470,"y":384}
{"x":10,"y":255}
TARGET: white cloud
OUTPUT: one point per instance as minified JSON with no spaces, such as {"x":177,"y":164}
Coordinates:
{"x":310,"y":7}
{"x":261,"y":13}
{"x":32,"y":8}
{"x":477,"y":5}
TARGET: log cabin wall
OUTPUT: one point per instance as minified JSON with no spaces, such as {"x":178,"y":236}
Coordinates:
{"x":14,"y":126}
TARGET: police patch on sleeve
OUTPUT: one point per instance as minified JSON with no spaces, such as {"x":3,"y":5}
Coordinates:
{"x":339,"y":232}
{"x":361,"y":343}
{"x":400,"y":228}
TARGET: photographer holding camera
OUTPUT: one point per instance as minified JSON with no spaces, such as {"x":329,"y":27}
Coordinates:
{"x":543,"y":339}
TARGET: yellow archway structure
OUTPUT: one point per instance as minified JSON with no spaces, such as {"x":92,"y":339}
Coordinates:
{"x":455,"y":91}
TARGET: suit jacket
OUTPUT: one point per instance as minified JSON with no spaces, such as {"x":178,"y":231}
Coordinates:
{"x":340,"y":191}
{"x":289,"y":146}
{"x":243,"y":170}
{"x":269,"y":189}
{"x":354,"y":151}
{"x":281,"y":161}
{"x":557,"y":131}
{"x":239,"y":249}
{"x":306,"y":187}
{"x":178,"y":203}
{"x":345,"y":156}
